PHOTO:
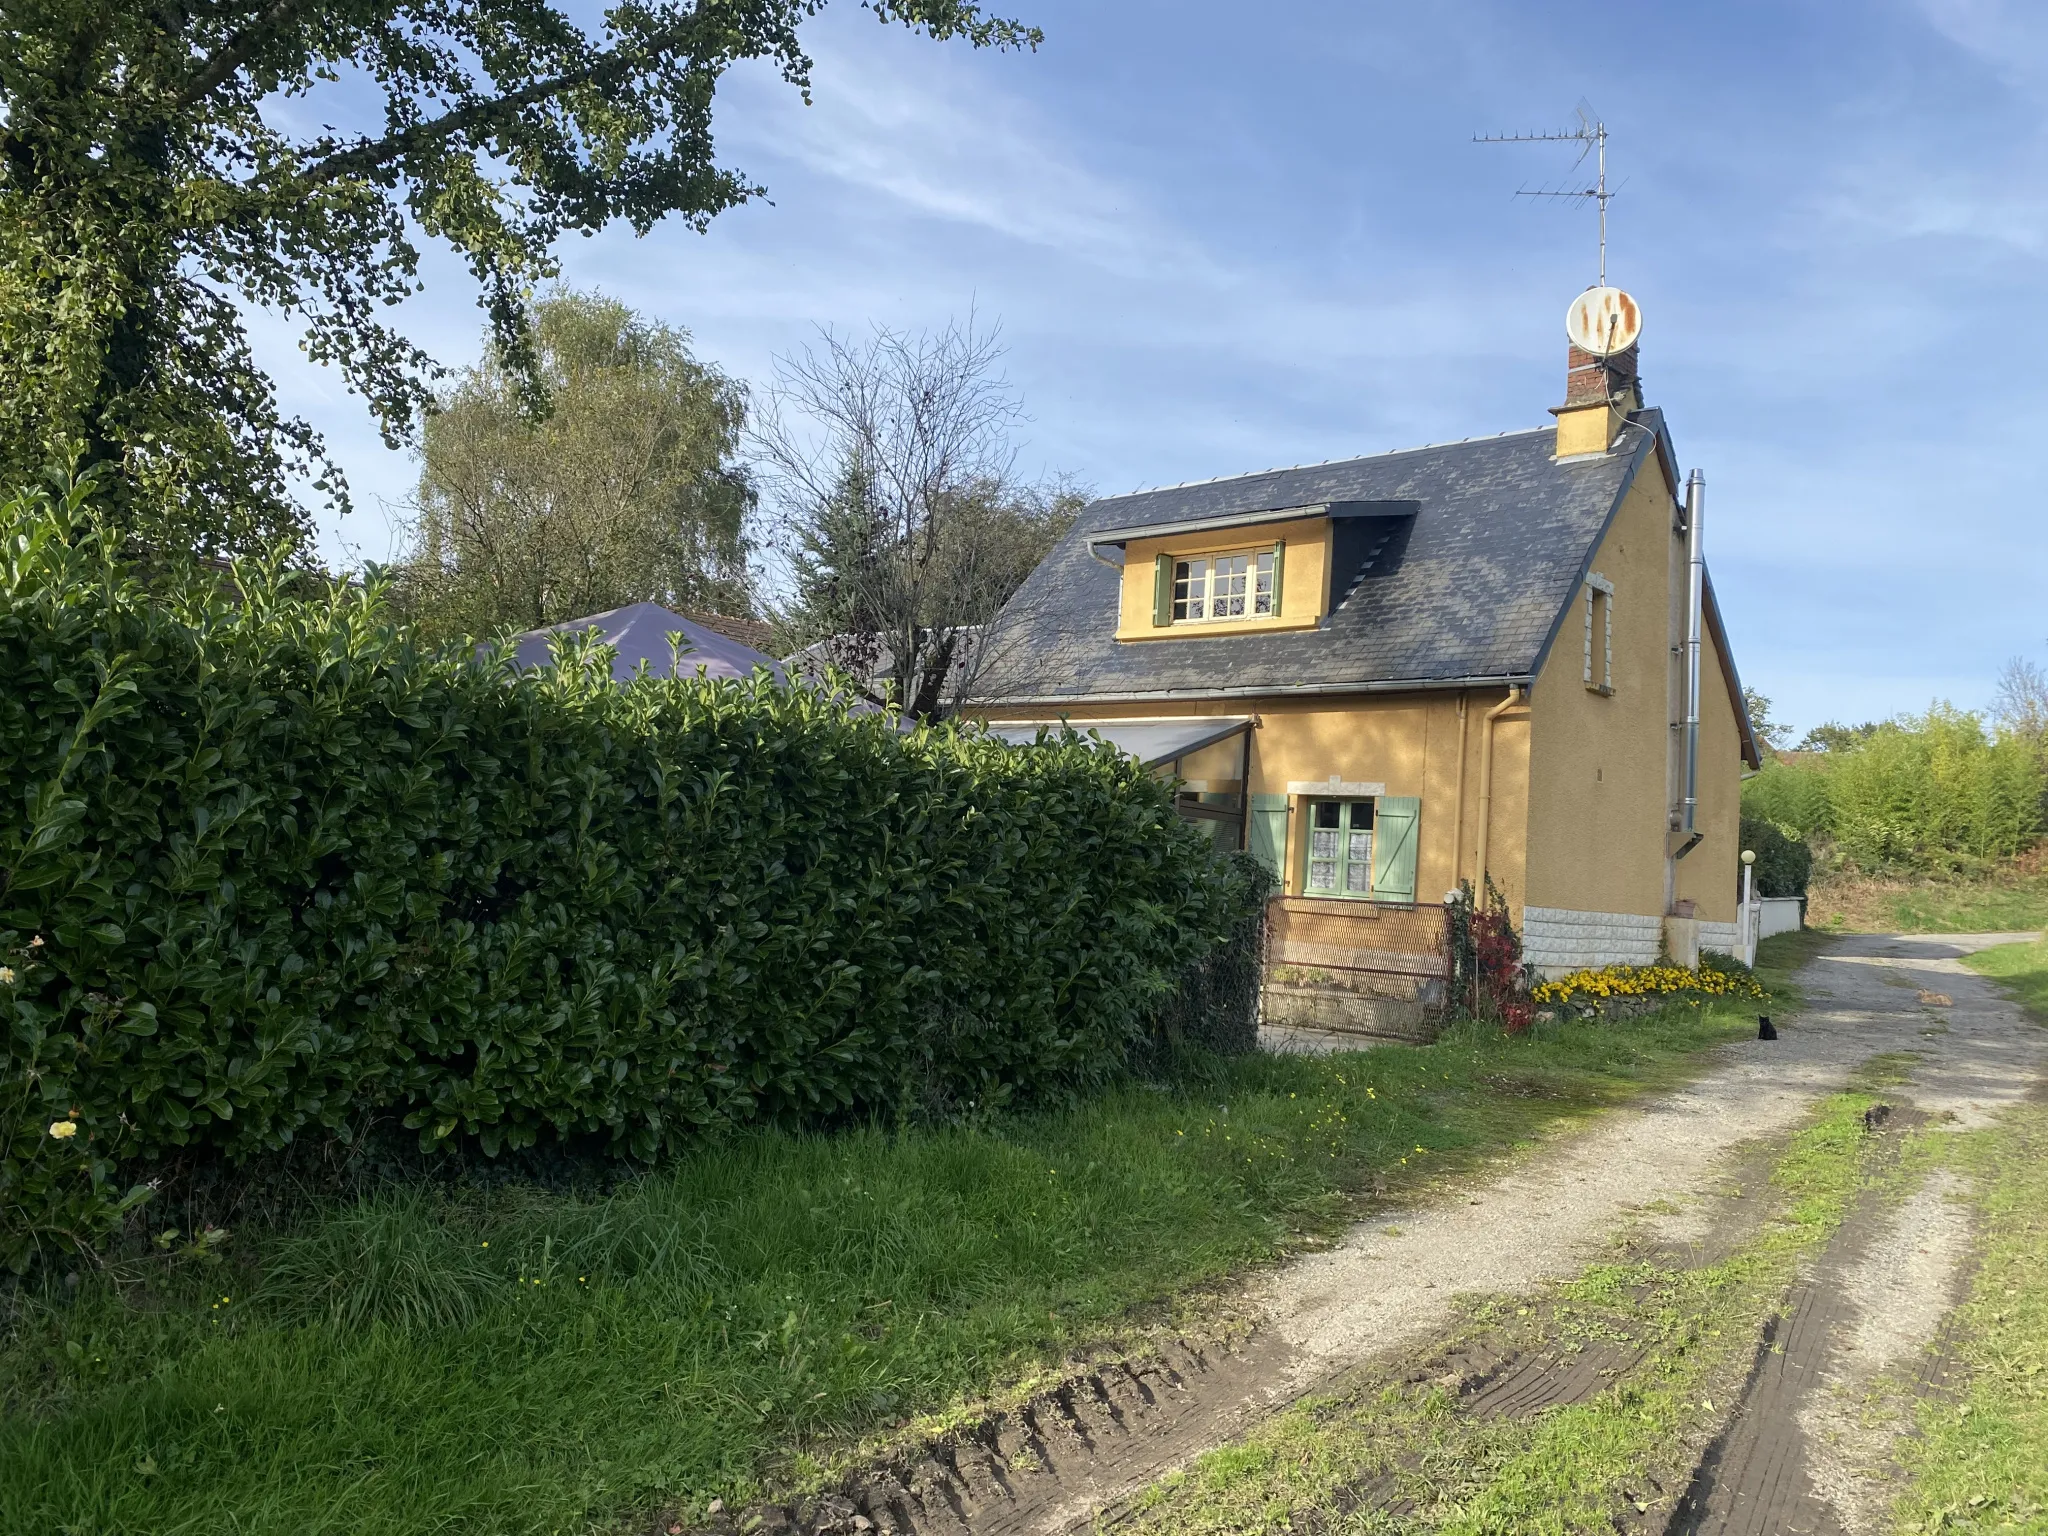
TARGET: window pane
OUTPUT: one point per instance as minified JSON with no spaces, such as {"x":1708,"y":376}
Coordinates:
{"x":1322,"y":845}
{"x":1360,"y":851}
{"x":1322,"y":876}
{"x":1328,"y":813}
{"x":1361,"y":816}
{"x":1358,"y":872}
{"x":1262,"y":586}
{"x":1226,"y":594}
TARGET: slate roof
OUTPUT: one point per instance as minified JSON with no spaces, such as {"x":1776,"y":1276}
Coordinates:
{"x":1466,"y":583}
{"x":640,"y":632}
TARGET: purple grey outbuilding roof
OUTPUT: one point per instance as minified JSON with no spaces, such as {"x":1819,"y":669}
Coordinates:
{"x":640,"y":633}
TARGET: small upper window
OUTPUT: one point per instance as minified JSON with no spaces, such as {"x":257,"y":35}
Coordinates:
{"x":1223,"y":587}
{"x":1599,"y":634}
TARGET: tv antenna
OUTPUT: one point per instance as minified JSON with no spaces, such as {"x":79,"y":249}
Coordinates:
{"x":1591,"y":137}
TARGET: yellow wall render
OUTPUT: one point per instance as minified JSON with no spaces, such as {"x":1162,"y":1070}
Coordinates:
{"x":1599,"y":803}
{"x":1304,"y":579}
{"x":1587,"y":429}
{"x":1607,"y":772}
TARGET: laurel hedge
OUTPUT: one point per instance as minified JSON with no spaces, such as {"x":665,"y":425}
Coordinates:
{"x":271,"y":868}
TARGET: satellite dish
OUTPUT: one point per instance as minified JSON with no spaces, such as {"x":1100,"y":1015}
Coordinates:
{"x":1603,"y":321}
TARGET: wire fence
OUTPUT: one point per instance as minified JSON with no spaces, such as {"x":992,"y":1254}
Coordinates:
{"x":1216,"y":1007}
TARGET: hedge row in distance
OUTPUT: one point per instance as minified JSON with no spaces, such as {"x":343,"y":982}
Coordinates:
{"x":267,"y":867}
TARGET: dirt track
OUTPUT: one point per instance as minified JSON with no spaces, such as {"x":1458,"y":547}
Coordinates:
{"x":1803,"y":1451}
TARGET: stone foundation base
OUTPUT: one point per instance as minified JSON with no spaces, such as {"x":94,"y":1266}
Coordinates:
{"x":1336,"y":1010}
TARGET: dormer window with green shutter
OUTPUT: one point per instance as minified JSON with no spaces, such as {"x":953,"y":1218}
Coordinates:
{"x":1211,"y":580}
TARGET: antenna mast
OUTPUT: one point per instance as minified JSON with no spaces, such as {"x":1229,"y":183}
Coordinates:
{"x":1591,"y":136}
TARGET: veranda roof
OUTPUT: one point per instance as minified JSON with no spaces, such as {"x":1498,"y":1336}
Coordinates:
{"x":1151,"y":742}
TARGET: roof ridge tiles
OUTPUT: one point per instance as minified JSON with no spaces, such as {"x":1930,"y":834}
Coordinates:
{"x":1356,"y":458}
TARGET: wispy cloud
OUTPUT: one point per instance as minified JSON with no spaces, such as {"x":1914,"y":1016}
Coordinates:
{"x":2009,"y":35}
{"x":898,"y":121}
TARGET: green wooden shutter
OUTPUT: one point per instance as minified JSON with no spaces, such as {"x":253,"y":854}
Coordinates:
{"x":1279,"y":560}
{"x":1393,"y":847}
{"x":1162,"y":591}
{"x":1268,"y":832}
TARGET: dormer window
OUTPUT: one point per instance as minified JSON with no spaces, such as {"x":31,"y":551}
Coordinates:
{"x":1233,"y":586}
{"x":1211,"y":578}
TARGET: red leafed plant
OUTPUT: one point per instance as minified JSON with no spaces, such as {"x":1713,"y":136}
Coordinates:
{"x":1484,"y":952}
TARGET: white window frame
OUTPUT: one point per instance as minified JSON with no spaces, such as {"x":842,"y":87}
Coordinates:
{"x":1342,"y":847}
{"x":1600,"y":615}
{"x":1192,"y":597}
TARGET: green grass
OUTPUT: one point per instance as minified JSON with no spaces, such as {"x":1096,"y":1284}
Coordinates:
{"x":1980,"y":1461}
{"x":1581,"y":1468}
{"x":514,"y":1361}
{"x":2021,"y":969}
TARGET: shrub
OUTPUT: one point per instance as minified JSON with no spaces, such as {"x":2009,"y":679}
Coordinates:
{"x":274,"y":869}
{"x":1931,"y":792}
{"x":1784,"y":864}
{"x":1484,"y":974}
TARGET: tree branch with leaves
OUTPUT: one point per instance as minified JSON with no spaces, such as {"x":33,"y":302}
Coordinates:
{"x":157,"y":184}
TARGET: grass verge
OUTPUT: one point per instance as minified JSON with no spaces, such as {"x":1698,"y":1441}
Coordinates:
{"x":2012,"y":899}
{"x":512,"y":1361}
{"x":1980,"y":1462}
{"x":2021,"y":969}
{"x":1408,"y":1457}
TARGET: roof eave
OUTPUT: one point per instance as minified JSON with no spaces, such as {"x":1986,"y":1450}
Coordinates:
{"x":1256,"y":690}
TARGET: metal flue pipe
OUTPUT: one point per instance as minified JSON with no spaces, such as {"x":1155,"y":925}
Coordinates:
{"x":1695,"y":616}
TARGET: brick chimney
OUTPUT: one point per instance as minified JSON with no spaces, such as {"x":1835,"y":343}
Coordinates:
{"x":1599,"y":392}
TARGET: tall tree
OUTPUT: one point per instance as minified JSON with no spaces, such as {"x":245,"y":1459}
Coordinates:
{"x":628,"y":491}
{"x":902,"y":521}
{"x":160,"y":175}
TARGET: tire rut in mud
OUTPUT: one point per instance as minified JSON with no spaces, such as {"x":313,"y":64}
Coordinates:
{"x":1757,"y":1475}
{"x":1117,"y":1424}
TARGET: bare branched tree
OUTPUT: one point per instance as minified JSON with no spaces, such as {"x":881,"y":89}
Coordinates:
{"x":899,"y":515}
{"x":2021,"y":703}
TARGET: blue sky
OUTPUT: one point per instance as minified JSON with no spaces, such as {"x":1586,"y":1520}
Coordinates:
{"x":1220,"y":238}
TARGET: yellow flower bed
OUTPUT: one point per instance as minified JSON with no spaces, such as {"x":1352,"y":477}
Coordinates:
{"x":1646,"y":981}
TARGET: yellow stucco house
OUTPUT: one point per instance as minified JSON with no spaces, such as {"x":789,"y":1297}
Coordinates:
{"x":1386,"y":676}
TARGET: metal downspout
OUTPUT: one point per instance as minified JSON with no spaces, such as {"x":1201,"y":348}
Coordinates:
{"x":1458,"y":798}
{"x":1515,"y":695}
{"x":1696,"y":573}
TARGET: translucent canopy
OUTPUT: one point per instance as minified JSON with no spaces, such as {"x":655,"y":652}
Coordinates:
{"x":1151,"y":742}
